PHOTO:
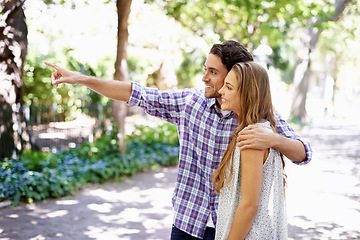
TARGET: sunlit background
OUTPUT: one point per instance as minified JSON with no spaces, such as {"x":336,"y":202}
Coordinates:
{"x":88,"y":34}
{"x":323,"y":196}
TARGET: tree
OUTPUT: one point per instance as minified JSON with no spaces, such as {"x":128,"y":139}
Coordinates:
{"x":121,"y":65}
{"x":248,"y":21}
{"x":338,"y":48}
{"x":303,"y":71}
{"x":13,"y":48}
{"x":253,"y":21}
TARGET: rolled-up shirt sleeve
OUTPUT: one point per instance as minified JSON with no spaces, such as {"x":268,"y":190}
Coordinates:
{"x":284,"y":129}
{"x":135,"y":95}
{"x":164,"y":104}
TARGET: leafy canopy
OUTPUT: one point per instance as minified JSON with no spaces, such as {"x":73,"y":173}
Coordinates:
{"x":248,"y":21}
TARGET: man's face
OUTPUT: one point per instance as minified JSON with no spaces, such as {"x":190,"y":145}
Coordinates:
{"x":214,"y":76}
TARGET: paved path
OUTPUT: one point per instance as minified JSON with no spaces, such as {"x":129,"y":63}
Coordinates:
{"x":323,"y":199}
{"x":139,"y":208}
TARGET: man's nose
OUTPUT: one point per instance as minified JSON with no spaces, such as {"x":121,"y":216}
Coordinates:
{"x":206,"y":77}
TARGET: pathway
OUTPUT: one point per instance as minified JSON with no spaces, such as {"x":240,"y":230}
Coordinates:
{"x":323,"y":199}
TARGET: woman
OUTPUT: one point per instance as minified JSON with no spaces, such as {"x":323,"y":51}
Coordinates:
{"x":250,"y":182}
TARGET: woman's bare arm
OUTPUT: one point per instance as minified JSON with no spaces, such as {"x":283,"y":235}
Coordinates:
{"x":251,"y":181}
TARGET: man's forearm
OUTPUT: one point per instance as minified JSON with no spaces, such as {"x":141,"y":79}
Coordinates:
{"x":293,"y":149}
{"x":117,"y":90}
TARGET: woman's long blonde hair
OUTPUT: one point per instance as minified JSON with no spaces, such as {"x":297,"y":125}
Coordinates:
{"x":255,"y":106}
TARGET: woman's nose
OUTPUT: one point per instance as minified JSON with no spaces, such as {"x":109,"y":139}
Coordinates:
{"x":221,"y":91}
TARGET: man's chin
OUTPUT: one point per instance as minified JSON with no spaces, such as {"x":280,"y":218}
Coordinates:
{"x":212,"y":95}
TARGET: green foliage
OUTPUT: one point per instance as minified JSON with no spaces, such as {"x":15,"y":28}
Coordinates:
{"x":37,"y":87}
{"x":41,"y":175}
{"x":191,"y":66}
{"x":160,"y":146}
{"x":39,"y":92}
{"x":295,"y":122}
{"x":250,"y":22}
{"x":283,"y":58}
{"x":164,"y":134}
{"x":247,"y":21}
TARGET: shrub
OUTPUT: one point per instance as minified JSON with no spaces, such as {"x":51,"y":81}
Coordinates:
{"x":41,"y":175}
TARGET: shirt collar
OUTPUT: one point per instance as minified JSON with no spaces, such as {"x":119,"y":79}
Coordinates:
{"x":211,"y":103}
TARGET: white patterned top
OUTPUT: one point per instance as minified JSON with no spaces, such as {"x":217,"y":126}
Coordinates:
{"x":270,"y":221}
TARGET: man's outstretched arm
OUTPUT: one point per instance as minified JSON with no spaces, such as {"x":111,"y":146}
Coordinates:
{"x":117,"y":90}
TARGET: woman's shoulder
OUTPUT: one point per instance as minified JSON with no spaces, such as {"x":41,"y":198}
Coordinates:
{"x":265,"y":124}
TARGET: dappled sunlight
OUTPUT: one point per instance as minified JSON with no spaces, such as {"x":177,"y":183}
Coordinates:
{"x":13,"y":216}
{"x":137,"y":208}
{"x":34,"y":222}
{"x":59,"y":213}
{"x":67,"y":202}
{"x":42,"y":237}
{"x":38,"y":237}
{"x":306,"y":229}
{"x":132,"y":221}
{"x":139,"y":193}
{"x":159,"y":175}
{"x":130,"y":195}
{"x":324,"y":193}
{"x":37,"y":212}
{"x":148,"y":210}
{"x":109,"y":233}
{"x":323,"y":196}
{"x":101,"y":208}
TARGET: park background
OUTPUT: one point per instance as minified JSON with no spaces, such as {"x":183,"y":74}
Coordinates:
{"x":309,"y":48}
{"x":55,"y":140}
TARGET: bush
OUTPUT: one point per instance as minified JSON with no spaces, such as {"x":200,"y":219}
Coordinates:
{"x":41,"y":175}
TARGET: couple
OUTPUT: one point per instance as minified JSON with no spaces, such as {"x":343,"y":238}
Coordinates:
{"x":212,"y":138}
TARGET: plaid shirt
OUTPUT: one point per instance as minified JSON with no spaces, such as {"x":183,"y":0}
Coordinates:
{"x":204,"y":134}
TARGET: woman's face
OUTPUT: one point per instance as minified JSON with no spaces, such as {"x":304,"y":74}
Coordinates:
{"x":230,"y":98}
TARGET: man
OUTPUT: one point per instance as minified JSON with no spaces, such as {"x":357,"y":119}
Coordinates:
{"x":204,"y":133}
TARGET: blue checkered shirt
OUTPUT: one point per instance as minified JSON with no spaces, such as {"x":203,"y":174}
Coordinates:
{"x":204,"y":134}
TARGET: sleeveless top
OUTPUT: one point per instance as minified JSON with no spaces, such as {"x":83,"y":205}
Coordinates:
{"x":270,"y":221}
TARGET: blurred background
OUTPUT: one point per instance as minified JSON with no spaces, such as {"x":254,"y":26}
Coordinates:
{"x":54,"y":140}
{"x":310,"y":49}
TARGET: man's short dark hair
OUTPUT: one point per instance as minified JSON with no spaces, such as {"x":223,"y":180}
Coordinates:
{"x":231,"y":52}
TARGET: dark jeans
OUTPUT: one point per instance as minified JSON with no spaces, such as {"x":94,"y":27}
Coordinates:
{"x":177,"y":234}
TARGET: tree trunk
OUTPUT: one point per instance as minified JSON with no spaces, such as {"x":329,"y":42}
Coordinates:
{"x":303,"y":69}
{"x":302,"y":75}
{"x":13,"y":48}
{"x":121,"y":66}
